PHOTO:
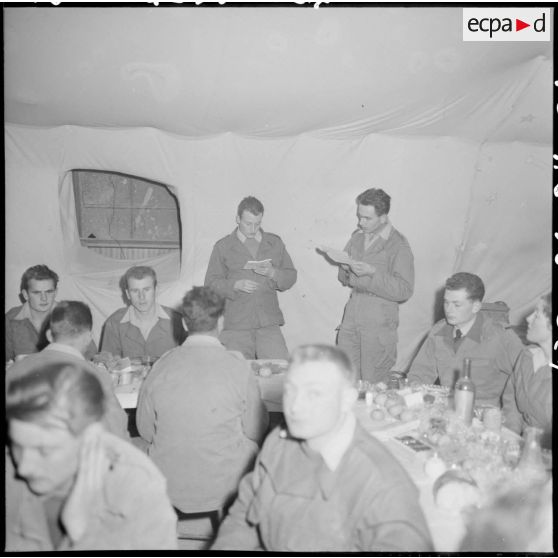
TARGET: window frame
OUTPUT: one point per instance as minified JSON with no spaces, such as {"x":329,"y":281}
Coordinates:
{"x":128,"y":243}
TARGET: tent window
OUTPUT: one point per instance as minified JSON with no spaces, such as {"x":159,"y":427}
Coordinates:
{"x":125,"y":217}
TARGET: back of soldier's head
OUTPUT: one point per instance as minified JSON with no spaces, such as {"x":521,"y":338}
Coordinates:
{"x":70,"y":319}
{"x":67,"y":392}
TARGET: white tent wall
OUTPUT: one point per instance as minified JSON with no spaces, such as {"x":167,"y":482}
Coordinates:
{"x":462,"y":205}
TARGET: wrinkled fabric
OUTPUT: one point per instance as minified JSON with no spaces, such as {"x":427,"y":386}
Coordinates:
{"x":493,"y":351}
{"x":532,"y":402}
{"x":126,"y":340}
{"x":23,"y":339}
{"x":225,"y":268}
{"x":368,"y":332}
{"x":260,"y":343}
{"x":201,"y":413}
{"x":292,"y":502}
{"x":135,"y":511}
{"x":249,"y":311}
{"x":454,"y":221}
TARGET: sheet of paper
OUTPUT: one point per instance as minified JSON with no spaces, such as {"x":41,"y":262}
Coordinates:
{"x":253,"y":264}
{"x":337,"y":255}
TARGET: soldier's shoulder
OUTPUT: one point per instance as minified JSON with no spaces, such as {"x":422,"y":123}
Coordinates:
{"x":117,"y":315}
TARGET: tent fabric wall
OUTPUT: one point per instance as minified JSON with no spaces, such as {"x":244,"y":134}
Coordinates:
{"x":303,"y":108}
{"x":462,"y":205}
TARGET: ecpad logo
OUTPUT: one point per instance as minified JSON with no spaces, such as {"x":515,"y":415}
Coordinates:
{"x":506,"y":24}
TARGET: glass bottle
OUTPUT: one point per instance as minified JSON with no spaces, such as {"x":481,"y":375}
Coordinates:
{"x":464,"y":395}
{"x":531,"y":463}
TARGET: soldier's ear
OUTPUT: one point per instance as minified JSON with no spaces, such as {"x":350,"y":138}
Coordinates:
{"x":49,"y":335}
{"x":477,"y":305}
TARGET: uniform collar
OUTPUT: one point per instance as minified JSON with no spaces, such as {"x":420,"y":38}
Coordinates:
{"x":539,"y":358}
{"x":466,"y":328}
{"x":129,"y":315}
{"x":242,"y":237}
{"x":475,"y":333}
{"x":25,"y":311}
{"x":383,"y":233}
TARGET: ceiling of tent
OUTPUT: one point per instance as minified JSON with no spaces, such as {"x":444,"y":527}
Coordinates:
{"x":271,"y":72}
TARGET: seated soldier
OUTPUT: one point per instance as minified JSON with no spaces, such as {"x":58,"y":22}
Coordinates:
{"x":70,"y":485}
{"x":324,"y":484}
{"x":144,"y":328}
{"x":532,"y":376}
{"x":26,"y":325}
{"x":200,"y":411}
{"x":69,"y":331}
{"x":467,"y":333}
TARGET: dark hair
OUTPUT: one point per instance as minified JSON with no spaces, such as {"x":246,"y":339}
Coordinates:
{"x":202,"y":307}
{"x":377,"y":198}
{"x":547,"y":306}
{"x":70,"y":318}
{"x":139,"y":272}
{"x":324,"y":353}
{"x":67,"y":390}
{"x":471,"y":283}
{"x":38,"y":273}
{"x":251,"y":204}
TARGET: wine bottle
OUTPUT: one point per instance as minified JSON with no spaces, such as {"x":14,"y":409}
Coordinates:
{"x":464,"y":394}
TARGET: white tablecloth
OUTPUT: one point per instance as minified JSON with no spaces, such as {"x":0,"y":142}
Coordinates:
{"x":447,"y":528}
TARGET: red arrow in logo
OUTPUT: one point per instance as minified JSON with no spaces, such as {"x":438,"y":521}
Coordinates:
{"x":519,"y":25}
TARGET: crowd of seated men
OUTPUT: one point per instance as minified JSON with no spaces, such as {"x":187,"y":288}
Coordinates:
{"x":318,"y":482}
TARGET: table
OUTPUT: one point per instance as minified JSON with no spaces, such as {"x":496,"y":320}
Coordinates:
{"x":447,"y":528}
{"x":271,"y":388}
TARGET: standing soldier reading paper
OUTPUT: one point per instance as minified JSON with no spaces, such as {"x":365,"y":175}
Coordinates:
{"x":381,"y":276}
{"x":248,"y":267}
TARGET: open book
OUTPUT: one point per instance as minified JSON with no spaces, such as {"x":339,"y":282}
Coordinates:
{"x":253,"y":264}
{"x":337,"y":256}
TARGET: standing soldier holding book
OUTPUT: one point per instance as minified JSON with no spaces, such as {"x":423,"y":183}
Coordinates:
{"x":248,"y":267}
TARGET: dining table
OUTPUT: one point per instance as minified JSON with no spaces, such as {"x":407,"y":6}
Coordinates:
{"x":447,"y":526}
{"x":446,"y":529}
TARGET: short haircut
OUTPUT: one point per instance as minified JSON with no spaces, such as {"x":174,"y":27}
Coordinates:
{"x":324,"y":353}
{"x":69,"y":319}
{"x":202,"y":307}
{"x":547,"y":306}
{"x":67,"y":391}
{"x":251,"y":204}
{"x":470,"y":282}
{"x":39,"y":273}
{"x":139,"y":272}
{"x":377,"y":198}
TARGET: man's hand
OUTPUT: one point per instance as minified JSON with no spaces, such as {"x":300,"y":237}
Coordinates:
{"x":86,"y":496}
{"x":246,"y":286}
{"x":266,"y":269}
{"x":362,"y":268}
